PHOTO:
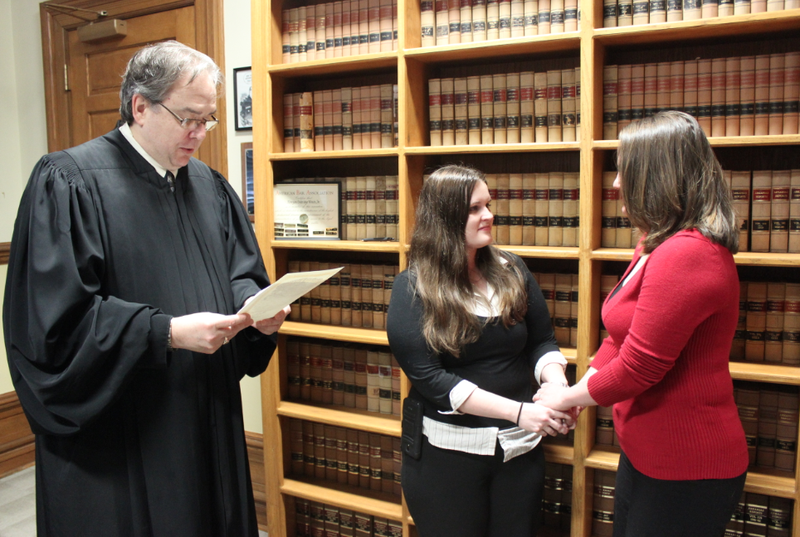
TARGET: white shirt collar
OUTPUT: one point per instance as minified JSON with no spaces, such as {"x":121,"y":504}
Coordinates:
{"x":125,"y":129}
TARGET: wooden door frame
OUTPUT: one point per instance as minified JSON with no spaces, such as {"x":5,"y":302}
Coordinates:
{"x":209,"y":30}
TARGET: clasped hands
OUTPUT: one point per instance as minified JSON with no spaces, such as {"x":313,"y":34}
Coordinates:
{"x":548,"y":416}
{"x":206,"y":332}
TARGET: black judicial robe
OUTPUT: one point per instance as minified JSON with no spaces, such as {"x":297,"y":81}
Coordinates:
{"x":132,"y":440}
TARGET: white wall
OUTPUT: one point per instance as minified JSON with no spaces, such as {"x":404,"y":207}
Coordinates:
{"x":23,"y":138}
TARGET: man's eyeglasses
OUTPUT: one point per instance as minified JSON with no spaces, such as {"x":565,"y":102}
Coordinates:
{"x":191,"y":123}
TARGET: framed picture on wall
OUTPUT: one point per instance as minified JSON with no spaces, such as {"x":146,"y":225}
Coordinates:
{"x":247,"y":179}
{"x":243,"y":93}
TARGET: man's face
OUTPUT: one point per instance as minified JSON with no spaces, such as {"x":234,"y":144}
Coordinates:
{"x":161,"y":134}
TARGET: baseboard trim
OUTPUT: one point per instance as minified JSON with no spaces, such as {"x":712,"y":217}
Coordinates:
{"x":16,"y":438}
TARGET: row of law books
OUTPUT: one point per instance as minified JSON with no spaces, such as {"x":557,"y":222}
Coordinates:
{"x":769,"y":414}
{"x":560,"y":293}
{"x":348,"y":456}
{"x":340,"y":119}
{"x":337,"y":29}
{"x":767,"y":204}
{"x":505,"y":108}
{"x":635,"y":12}
{"x":451,"y":22}
{"x":769,"y":324}
{"x":736,"y":96}
{"x":615,"y":226}
{"x":357,"y":296}
{"x":344,"y":374}
{"x":759,"y":514}
{"x":535,"y":209}
{"x":557,"y":498}
{"x":603,"y":503}
{"x":317,"y":519}
{"x":369,"y":205}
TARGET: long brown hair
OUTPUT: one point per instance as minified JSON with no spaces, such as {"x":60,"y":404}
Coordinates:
{"x":672,"y":181}
{"x":438,"y":259}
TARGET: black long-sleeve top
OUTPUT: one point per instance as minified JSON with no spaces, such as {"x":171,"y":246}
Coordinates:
{"x":502,"y":361}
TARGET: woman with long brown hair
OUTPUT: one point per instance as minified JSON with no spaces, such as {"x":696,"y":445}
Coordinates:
{"x":469,"y":326}
{"x":671,"y":321}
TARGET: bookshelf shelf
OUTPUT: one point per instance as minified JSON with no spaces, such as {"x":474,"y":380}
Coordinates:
{"x":330,"y":66}
{"x":341,"y":417}
{"x":344,"y":497}
{"x":334,"y":333}
{"x":755,"y":23}
{"x":489,"y":149}
{"x":339,"y":246}
{"x":492,"y":49}
{"x":411,"y":67}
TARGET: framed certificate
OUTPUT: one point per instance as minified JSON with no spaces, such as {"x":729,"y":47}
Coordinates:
{"x":307,"y":211}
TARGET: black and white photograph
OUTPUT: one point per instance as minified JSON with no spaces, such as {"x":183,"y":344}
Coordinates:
{"x":243,"y":92}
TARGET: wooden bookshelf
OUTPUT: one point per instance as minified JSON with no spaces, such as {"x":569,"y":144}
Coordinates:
{"x":410,"y":67}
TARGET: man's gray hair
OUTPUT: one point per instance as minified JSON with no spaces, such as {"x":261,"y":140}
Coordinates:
{"x":154,"y":70}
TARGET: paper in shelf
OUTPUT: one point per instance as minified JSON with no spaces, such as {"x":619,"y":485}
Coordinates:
{"x":270,"y":300}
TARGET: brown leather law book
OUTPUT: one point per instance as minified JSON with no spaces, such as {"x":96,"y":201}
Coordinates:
{"x":541,"y":207}
{"x":377,"y":305}
{"x":305,"y":300}
{"x":663,"y":81}
{"x":380,"y":206}
{"x":296,"y":446}
{"x":374,"y":26}
{"x":610,"y":102}
{"x":337,"y":374}
{"x":306,"y":373}
{"x":487,"y":110}
{"x":491,"y":184}
{"x":331,"y":454}
{"x":791,"y":93}
{"x":385,"y":26}
{"x":384,"y":381}
{"x":349,"y":364}
{"x":767,"y":426}
{"x":540,"y":106}
{"x":501,"y":209}
{"x":570,"y":221}
{"x":756,"y":321}
{"x":773,"y":332}
{"x":608,"y":217}
{"x":296,"y":121}
{"x":528,"y":209}
{"x":791,"y":325}
{"x":747,"y":89}
{"x":392,"y":207}
{"x":554,"y":127}
{"x":320,"y":461}
{"x":573,"y":312}
{"x":326,"y":369}
{"x":315,"y":371}
{"x":794,"y":212}
{"x":293,"y":378}
{"x":386,"y":114}
{"x":374,"y":116}
{"x":604,"y":426}
{"x":760,"y":211}
{"x":396,"y":396}
{"x":397,"y":462}
{"x":732,"y":91}
{"x":454,"y":22}
{"x":286,"y":38}
{"x":346,"y":28}
{"x":288,"y":124}
{"x":366,"y":296}
{"x":515,"y":208}
{"x":361,"y":378}
{"x":718,"y":94}
{"x":779,"y":211}
{"x":346,"y":293}
{"x":474,"y":110}
{"x":499,"y":107}
{"x":563,"y":292}
{"x":555,"y":209}
{"x":577,"y":102}
{"x":353,"y":458}
{"x":777,"y":72}
{"x":641,"y":12}
{"x":547,"y":283}
{"x":360,"y":209}
{"x":624,"y":87}
{"x":327,"y":120}
{"x":460,"y":111}
{"x":347,"y":523}
{"x":740,"y":190}
{"x":603,"y":503}
{"x":740,"y":335}
{"x":370,"y":207}
{"x":762,"y":91}
{"x":746,"y":396}
{"x":609,"y":13}
{"x":337,"y":134}
{"x":704,"y":94}
{"x":568,"y":118}
{"x":624,"y":232}
{"x":363,"y":460}
{"x":373,"y":381}
{"x":513,"y":108}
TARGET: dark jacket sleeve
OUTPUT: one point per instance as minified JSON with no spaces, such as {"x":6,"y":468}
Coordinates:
{"x":422,"y":366}
{"x":248,"y":276}
{"x":69,"y":348}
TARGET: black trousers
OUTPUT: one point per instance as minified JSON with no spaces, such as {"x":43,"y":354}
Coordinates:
{"x":647,"y":507}
{"x":450,"y":493}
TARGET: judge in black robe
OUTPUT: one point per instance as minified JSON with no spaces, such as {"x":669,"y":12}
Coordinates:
{"x":132,"y":438}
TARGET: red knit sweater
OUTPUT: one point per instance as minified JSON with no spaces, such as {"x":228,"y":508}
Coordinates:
{"x":664,"y":365}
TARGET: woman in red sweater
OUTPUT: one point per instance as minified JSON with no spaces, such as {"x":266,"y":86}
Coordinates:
{"x":671,"y":320}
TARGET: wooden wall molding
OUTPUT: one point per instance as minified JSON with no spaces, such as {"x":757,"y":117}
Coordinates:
{"x":5,"y":250}
{"x":16,"y":438}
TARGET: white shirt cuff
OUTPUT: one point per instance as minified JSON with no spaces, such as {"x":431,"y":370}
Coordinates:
{"x":458,"y":395}
{"x":552,"y":357}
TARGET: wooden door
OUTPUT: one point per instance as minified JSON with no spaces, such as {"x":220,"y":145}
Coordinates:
{"x":95,"y":69}
{"x":82,"y":80}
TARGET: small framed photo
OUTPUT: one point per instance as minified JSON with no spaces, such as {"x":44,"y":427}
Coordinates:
{"x":307,"y":211}
{"x":247,"y":179}
{"x":243,"y":94}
